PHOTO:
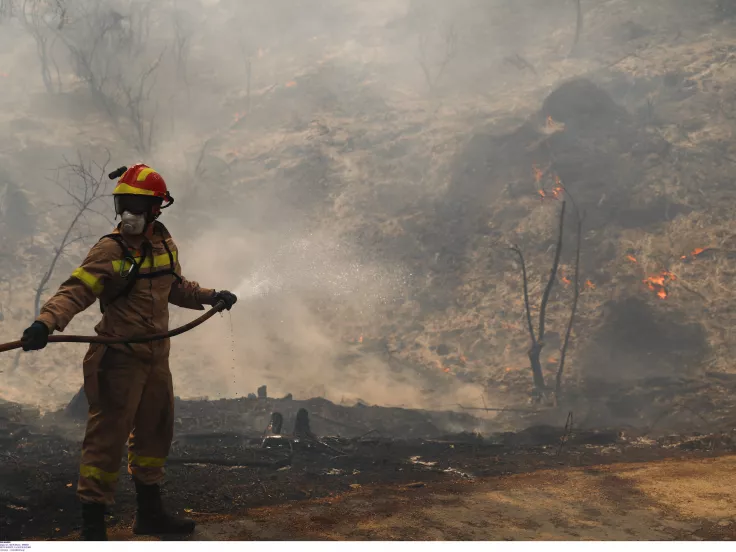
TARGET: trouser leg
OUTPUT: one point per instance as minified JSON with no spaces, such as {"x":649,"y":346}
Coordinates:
{"x":153,"y":428}
{"x":149,"y":446}
{"x":111,"y":417}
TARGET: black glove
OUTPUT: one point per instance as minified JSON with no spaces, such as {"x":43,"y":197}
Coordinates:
{"x":226,"y":297}
{"x":35,"y":337}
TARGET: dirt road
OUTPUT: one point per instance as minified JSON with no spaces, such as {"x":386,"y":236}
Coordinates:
{"x":671,"y":499}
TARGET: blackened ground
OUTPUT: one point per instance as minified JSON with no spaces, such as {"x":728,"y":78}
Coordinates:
{"x":38,"y":472}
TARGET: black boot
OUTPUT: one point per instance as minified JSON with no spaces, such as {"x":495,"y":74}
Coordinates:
{"x":93,"y":522}
{"x":151,"y":519}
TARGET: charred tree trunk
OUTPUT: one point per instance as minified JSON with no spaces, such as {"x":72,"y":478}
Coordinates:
{"x":534,"y":353}
{"x":537,"y":345}
{"x":573,"y":310}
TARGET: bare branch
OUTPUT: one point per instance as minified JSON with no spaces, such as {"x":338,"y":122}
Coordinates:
{"x":578,"y":25}
{"x":91,"y":187}
{"x":526,"y":293}
{"x":552,"y":275}
{"x":576,"y":295}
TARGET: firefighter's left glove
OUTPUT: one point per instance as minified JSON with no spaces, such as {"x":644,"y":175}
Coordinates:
{"x":226,"y":297}
{"x":35,"y":337}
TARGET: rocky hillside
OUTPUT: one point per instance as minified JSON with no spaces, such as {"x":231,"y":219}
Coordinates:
{"x":359,"y":173}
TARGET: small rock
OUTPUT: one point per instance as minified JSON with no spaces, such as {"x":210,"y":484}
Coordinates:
{"x":443,"y":350}
{"x":417,"y":485}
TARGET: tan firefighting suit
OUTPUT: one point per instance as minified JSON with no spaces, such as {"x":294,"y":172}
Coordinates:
{"x":128,"y":387}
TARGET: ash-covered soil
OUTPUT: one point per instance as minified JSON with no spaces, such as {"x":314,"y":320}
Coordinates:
{"x":220,"y":467}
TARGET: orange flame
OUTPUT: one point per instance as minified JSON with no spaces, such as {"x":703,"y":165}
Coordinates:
{"x":658,"y":283}
{"x":632,"y":259}
{"x":360,"y":339}
{"x":589,"y":284}
{"x":694,"y":253}
{"x":290,"y":84}
{"x":538,"y":174}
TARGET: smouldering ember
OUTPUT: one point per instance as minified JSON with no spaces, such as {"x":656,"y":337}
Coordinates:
{"x":658,"y":283}
{"x":554,"y":125}
{"x":538,"y":174}
{"x":555,"y":193}
{"x":695,"y":252}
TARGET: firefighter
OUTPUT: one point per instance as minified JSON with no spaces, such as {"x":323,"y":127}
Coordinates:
{"x":134,"y":273}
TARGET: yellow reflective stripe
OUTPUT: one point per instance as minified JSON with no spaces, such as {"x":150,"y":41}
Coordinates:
{"x":145,"y":461}
{"x":92,"y":282}
{"x":158,"y":261}
{"x":123,"y":188}
{"x":91,"y":472}
{"x":143,"y":174}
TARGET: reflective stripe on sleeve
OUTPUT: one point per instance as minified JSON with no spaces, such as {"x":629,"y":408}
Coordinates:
{"x":89,"y":280}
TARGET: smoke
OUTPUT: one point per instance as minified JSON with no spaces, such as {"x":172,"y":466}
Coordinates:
{"x":314,"y":151}
{"x":303,"y":303}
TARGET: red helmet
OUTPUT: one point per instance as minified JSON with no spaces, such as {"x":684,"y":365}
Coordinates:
{"x":142,"y":180}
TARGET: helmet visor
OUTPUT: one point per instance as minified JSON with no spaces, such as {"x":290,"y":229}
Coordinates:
{"x":136,"y":204}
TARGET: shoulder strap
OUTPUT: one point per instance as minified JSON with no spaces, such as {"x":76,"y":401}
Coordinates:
{"x":132,"y":275}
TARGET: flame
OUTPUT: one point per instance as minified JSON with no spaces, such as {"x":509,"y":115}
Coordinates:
{"x":565,"y":279}
{"x":538,"y":174}
{"x":694,"y":253}
{"x":632,"y":259}
{"x":542,"y":194}
{"x":446,"y":370}
{"x":290,"y":84}
{"x":360,"y":339}
{"x":552,"y":360}
{"x":238,"y":116}
{"x":559,"y":188}
{"x":658,"y":283}
{"x":589,"y":284}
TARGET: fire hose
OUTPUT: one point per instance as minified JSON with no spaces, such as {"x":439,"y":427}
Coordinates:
{"x":218,"y":307}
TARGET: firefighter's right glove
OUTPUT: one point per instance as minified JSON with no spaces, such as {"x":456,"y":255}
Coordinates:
{"x":35,"y":337}
{"x":226,"y":297}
